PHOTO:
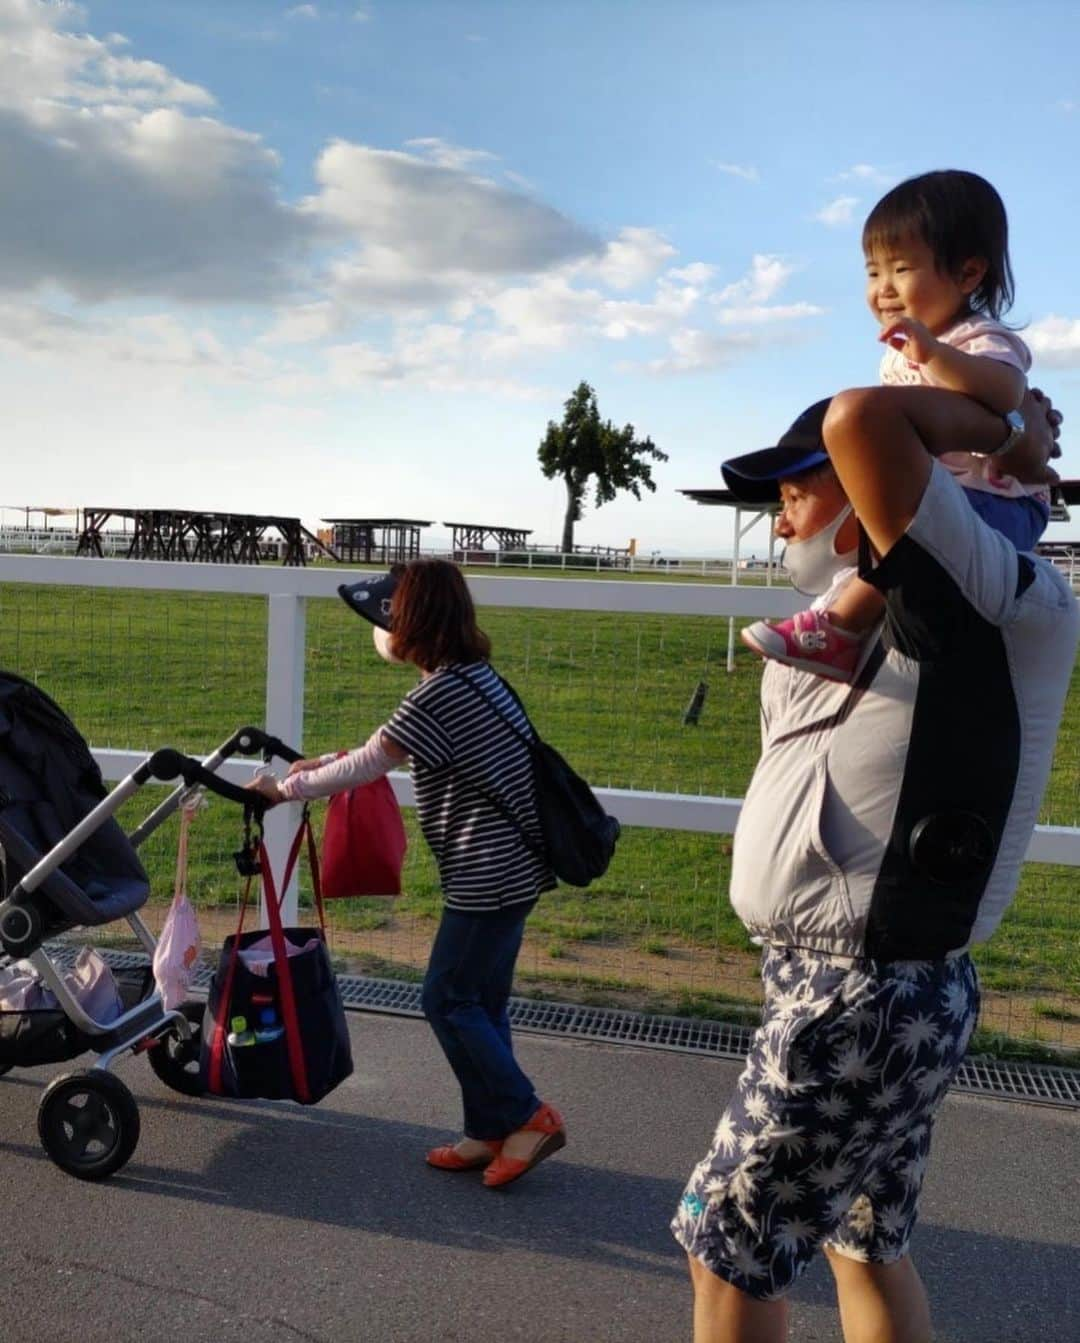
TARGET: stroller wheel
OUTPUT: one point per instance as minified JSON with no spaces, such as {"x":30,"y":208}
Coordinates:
{"x":176,"y":1061}
{"x":88,"y":1124}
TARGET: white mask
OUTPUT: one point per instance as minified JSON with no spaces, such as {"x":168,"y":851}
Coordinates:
{"x":381,"y":638}
{"x":813,"y":564}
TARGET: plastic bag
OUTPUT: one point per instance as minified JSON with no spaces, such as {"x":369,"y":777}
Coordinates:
{"x":179,"y":946}
{"x":363,"y":843}
{"x":92,"y":985}
{"x":258,"y":956}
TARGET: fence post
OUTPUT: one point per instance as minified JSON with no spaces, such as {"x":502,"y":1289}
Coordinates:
{"x":285,"y":638}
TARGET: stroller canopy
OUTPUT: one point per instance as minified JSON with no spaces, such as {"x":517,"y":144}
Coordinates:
{"x":48,"y":782}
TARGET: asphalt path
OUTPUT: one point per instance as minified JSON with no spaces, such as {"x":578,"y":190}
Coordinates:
{"x":268,"y":1223}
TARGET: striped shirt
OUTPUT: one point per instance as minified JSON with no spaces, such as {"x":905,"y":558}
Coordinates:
{"x":461,"y":747}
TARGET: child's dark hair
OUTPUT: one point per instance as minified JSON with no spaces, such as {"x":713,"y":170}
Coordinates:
{"x":958,"y":216}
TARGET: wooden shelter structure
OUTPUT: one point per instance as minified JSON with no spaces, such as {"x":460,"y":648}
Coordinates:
{"x":209,"y":538}
{"x":472,"y":537}
{"x":376,"y":540}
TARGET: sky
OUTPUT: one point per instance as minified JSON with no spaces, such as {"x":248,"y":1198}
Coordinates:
{"x":348,"y":258}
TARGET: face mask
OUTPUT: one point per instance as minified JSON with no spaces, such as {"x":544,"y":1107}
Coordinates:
{"x":813,"y":564}
{"x":382,"y":644}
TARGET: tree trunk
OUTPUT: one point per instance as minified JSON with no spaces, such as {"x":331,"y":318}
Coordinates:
{"x":569,"y":519}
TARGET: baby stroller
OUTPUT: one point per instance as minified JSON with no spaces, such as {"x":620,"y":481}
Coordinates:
{"x":67,"y":863}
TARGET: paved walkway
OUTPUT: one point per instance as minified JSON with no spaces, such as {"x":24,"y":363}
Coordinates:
{"x":264,"y":1223}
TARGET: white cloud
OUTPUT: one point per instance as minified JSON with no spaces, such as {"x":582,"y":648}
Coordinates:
{"x":150,"y":341}
{"x":112,"y":188}
{"x":838,"y":213}
{"x":42,"y":65}
{"x":1055,"y":341}
{"x":693,"y":350}
{"x":437,"y":220}
{"x":447,"y":155}
{"x":767,"y":275}
{"x":302,"y":12}
{"x":361,"y":16}
{"x":1067,"y":105}
{"x":632,"y":258}
{"x":760,"y":314}
{"x":747,"y":172}
{"x":865,"y":172}
{"x":697,"y":273}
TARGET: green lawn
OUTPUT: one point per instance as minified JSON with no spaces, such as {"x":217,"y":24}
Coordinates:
{"x":146,"y":669}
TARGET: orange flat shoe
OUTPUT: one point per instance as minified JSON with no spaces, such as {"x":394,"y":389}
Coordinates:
{"x":448,"y":1158}
{"x":505,"y":1169}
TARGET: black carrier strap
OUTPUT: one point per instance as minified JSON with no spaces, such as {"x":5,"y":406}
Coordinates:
{"x":529,"y":743}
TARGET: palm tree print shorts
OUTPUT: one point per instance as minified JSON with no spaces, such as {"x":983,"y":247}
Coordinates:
{"x":826,"y":1139}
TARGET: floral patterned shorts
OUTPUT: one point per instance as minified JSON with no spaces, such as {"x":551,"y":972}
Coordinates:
{"x":826,"y":1139}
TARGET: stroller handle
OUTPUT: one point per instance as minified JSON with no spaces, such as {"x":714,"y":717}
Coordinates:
{"x":248,"y":740}
{"x":169,"y":764}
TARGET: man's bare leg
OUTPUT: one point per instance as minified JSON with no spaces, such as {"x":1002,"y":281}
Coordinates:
{"x":880,"y":1303}
{"x":723,"y":1314}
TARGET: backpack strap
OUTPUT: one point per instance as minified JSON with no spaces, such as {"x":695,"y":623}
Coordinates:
{"x":529,"y":742}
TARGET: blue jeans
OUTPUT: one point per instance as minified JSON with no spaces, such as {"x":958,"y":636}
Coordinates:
{"x":465,"y":994}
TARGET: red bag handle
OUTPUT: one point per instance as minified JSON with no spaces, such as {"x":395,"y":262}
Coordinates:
{"x":217,"y":1045}
{"x":297,"y":1066}
{"x":281,"y":960}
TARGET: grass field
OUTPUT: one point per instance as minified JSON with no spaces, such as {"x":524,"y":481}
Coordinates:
{"x":145,"y":669}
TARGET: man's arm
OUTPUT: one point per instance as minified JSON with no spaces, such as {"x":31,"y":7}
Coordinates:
{"x":880,"y":441}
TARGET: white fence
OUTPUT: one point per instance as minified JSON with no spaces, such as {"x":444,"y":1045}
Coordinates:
{"x":280,"y":638}
{"x":288,"y":590}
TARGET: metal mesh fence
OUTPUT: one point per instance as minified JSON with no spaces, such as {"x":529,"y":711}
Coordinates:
{"x":144,"y":669}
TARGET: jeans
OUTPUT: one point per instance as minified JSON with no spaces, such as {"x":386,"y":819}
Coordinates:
{"x":466,"y":990}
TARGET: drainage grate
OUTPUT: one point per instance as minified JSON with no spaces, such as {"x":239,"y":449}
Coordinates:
{"x":1041,"y":1084}
{"x":1001,"y":1079}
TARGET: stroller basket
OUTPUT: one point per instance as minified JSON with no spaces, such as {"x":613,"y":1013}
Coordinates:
{"x":47,"y":1035}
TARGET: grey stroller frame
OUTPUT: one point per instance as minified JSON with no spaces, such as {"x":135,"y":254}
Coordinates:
{"x":88,"y":1121}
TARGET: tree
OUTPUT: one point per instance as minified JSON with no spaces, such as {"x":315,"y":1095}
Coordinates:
{"x":583,"y":448}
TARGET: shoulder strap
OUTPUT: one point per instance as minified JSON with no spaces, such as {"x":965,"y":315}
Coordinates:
{"x":528,"y":742}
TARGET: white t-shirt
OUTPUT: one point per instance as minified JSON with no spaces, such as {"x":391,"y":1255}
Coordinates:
{"x":986,"y":339}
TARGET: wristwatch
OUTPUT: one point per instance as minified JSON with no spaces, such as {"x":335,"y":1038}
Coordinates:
{"x":1015,"y":423}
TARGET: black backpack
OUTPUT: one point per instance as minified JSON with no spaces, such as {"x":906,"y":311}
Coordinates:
{"x":578,"y":834}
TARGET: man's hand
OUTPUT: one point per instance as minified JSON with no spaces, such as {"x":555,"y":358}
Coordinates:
{"x":1029,"y":459}
{"x":915,"y":341}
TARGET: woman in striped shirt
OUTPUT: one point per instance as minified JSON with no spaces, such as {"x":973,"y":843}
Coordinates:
{"x":461,"y":730}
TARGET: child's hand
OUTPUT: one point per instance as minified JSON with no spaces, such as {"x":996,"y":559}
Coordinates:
{"x":914,"y":340}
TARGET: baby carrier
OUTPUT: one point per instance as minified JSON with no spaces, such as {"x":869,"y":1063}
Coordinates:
{"x":67,"y":863}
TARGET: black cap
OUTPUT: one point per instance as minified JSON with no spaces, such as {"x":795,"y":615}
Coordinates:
{"x":371,"y":598}
{"x":754,"y":477}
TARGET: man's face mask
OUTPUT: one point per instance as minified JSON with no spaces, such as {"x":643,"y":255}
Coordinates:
{"x":381,"y":639}
{"x":813,"y":564}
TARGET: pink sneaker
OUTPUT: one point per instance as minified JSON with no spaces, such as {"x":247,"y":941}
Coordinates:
{"x":809,"y":641}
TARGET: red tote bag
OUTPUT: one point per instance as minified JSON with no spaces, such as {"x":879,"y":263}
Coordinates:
{"x":363,"y":843}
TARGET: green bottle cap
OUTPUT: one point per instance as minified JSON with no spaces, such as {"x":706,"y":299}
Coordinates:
{"x":239,"y":1025}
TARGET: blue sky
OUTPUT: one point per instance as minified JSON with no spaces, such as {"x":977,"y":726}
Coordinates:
{"x":349,"y":258}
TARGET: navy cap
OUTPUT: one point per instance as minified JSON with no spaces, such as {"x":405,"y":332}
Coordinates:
{"x":371,"y":598}
{"x":754,"y":477}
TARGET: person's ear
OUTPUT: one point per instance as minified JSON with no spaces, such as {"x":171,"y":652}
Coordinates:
{"x":972,"y":273}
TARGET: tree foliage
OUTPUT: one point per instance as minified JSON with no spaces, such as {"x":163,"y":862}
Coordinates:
{"x":584,"y":447}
